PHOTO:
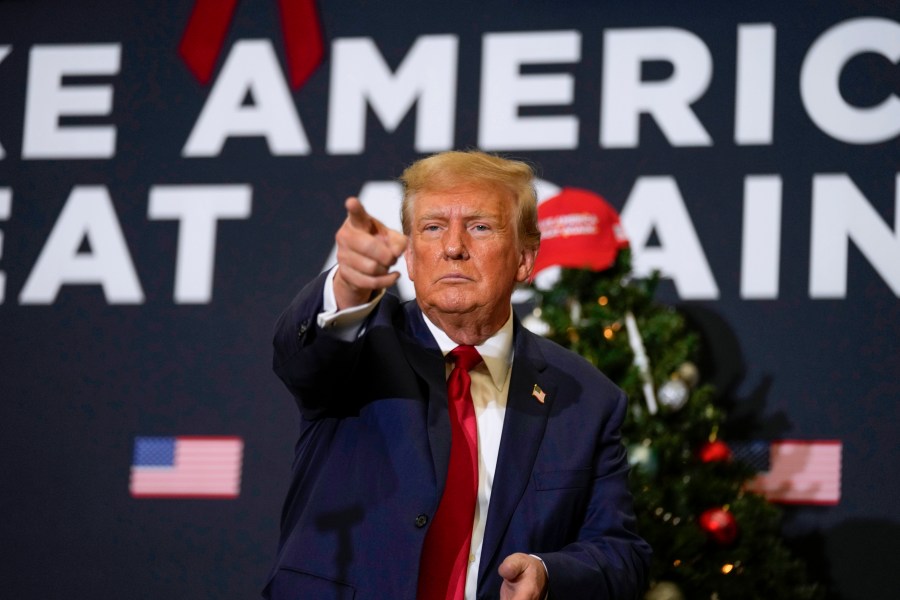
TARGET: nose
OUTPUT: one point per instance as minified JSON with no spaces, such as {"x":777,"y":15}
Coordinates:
{"x":455,"y":242}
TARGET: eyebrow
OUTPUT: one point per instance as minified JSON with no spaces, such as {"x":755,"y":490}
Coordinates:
{"x":442,"y":214}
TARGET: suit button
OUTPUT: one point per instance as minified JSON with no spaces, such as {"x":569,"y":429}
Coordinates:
{"x":301,"y":331}
{"x":421,"y":520}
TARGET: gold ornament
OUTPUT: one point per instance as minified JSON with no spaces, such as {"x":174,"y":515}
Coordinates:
{"x":688,"y":373}
{"x":664,"y":590}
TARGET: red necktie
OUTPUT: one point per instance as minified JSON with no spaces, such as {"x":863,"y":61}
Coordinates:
{"x":445,"y":556}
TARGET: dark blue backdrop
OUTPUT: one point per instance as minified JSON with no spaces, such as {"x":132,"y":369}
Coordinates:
{"x":87,"y":363}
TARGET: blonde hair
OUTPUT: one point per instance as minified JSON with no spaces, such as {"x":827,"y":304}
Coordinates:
{"x":446,"y":170}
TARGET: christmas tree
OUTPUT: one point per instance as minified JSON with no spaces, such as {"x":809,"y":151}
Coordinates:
{"x":712,"y":537}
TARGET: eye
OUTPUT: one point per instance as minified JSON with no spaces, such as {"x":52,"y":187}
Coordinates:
{"x":481,"y":227}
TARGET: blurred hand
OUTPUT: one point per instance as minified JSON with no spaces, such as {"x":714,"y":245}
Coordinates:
{"x":366,"y":250}
{"x":524,"y":578}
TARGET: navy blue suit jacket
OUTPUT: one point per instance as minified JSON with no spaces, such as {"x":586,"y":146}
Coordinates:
{"x":373,"y":451}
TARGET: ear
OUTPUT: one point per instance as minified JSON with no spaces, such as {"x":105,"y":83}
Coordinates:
{"x":410,"y":262}
{"x":526,"y":264}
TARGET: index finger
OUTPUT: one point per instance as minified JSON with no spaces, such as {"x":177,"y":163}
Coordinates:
{"x":358,"y":216}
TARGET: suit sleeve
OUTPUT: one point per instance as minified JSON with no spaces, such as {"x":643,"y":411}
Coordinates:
{"x":608,"y":560}
{"x":311,"y":362}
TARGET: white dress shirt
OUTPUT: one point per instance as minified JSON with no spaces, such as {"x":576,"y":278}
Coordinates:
{"x":490,"y":388}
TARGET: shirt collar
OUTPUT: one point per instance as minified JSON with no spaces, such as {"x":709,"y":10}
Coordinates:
{"x":497,"y":350}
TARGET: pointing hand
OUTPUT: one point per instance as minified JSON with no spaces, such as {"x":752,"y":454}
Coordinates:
{"x":366,"y":250}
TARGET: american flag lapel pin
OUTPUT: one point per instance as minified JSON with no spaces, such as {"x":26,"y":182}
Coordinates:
{"x":538,"y":393}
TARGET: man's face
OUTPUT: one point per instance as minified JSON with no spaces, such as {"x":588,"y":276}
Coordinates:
{"x":463,"y":255}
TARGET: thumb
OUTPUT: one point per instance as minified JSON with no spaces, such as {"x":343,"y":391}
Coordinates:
{"x":513,"y":566}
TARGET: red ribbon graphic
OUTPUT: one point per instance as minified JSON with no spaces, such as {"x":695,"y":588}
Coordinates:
{"x":209,"y":21}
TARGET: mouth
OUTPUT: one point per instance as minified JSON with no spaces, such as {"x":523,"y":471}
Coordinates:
{"x":454,"y":278}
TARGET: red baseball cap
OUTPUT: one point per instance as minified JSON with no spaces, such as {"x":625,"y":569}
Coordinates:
{"x":579,"y":229}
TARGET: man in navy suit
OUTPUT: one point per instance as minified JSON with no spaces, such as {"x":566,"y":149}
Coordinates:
{"x":553,"y":515}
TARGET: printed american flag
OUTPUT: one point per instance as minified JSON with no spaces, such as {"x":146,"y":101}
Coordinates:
{"x":186,"y":467}
{"x":795,"y":472}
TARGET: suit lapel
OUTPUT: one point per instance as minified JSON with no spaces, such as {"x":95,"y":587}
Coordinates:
{"x":523,"y":430}
{"x":430,"y":367}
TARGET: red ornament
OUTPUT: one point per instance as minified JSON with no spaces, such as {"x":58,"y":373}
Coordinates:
{"x":720,"y":525}
{"x":716,"y":451}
